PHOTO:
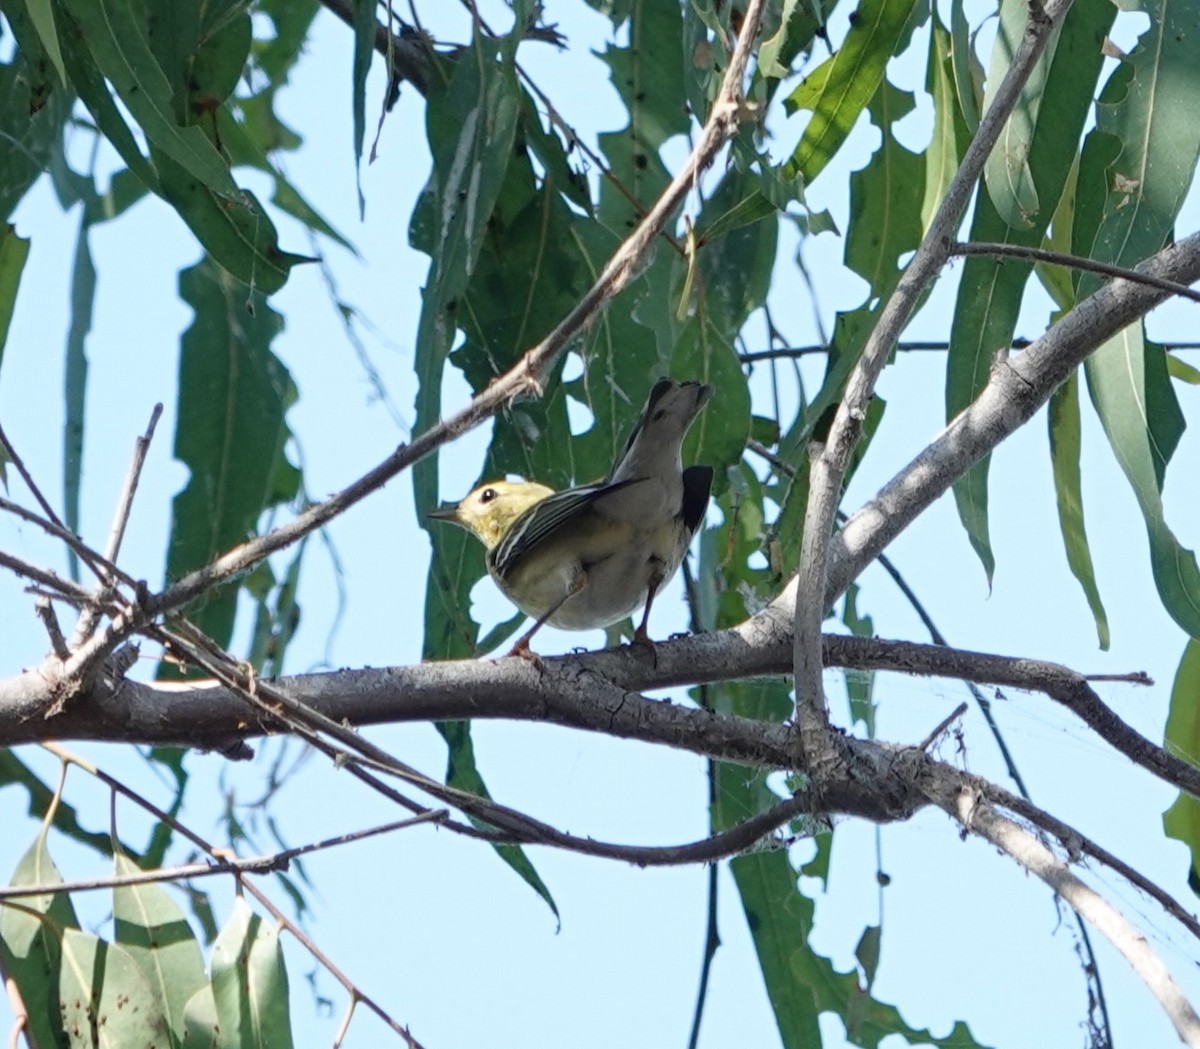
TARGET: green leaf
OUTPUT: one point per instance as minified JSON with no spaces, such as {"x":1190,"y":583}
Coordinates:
{"x":41,"y":14}
{"x":115,"y":35}
{"x":234,"y":230}
{"x":800,"y":983}
{"x":200,"y":1021}
{"x":1132,"y":394}
{"x":83,"y":296}
{"x":462,"y":772}
{"x":1065,"y":446}
{"x":859,"y":685}
{"x":885,"y":199}
{"x":14,"y":251}
{"x":773,"y":45}
{"x":89,"y":83}
{"x":277,"y":614}
{"x":1182,"y":737}
{"x":154,"y":933}
{"x":648,"y":76}
{"x":545,"y":144}
{"x":364,"y":50}
{"x":842,"y":86}
{"x":250,"y":983}
{"x":951,"y":135}
{"x":30,"y":131}
{"x":471,"y":124}
{"x":1176,"y":368}
{"x":718,"y":435}
{"x":734,"y":269}
{"x":30,"y":942}
{"x":1159,"y":140}
{"x":105,"y":1000}
{"x":968,"y":73}
{"x":1007,"y":172}
{"x":231,"y":431}
{"x":867,"y":951}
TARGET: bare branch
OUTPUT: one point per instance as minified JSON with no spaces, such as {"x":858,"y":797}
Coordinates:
{"x":977,"y":815}
{"x":1018,"y":387}
{"x":1061,"y":684}
{"x":597,"y":691}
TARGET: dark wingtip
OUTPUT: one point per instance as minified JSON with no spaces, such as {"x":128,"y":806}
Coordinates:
{"x":697,"y":487}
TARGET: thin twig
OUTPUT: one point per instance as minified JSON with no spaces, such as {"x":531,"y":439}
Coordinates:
{"x":51,"y":582}
{"x":822,"y":348}
{"x":129,"y":489}
{"x":116,"y":535}
{"x":941,"y":727}
{"x":93,"y":559}
{"x":30,"y":483}
{"x":49,"y":618}
{"x":225,"y":864}
{"x":1075,"y":262}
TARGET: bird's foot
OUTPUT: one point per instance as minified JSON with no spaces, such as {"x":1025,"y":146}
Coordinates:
{"x":522,"y":650}
{"x":642,"y":639}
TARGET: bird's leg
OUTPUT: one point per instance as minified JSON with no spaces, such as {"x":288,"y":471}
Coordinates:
{"x":640,"y":635}
{"x":521,"y":648}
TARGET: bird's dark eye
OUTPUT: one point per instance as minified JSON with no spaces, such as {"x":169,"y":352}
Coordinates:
{"x":487,"y":495}
{"x":660,"y":414}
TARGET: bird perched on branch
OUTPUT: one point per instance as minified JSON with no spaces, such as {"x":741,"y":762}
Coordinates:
{"x":589,"y":556}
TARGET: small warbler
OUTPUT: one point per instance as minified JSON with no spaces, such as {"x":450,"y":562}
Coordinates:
{"x":588,"y":556}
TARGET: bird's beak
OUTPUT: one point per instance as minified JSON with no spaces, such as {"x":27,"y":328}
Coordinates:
{"x":449,"y":512}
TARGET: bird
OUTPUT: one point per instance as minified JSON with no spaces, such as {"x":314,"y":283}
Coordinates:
{"x":589,"y":556}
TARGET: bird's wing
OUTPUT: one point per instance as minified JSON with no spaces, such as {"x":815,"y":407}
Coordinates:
{"x":542,"y":520}
{"x":697,"y":485}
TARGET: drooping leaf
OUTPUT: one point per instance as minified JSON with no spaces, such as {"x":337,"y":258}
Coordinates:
{"x":153,"y":932}
{"x":991,"y":290}
{"x":83,"y":295}
{"x":1182,"y":736}
{"x":231,"y":431}
{"x":234,"y":229}
{"x":1131,"y":391}
{"x":647,"y":75}
{"x":31,"y":930}
{"x":1065,"y":447}
{"x":14,"y":251}
{"x":104,"y":999}
{"x":951,"y":134}
{"x":364,"y":50}
{"x":839,"y":89}
{"x":116,"y":37}
{"x":249,"y":982}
